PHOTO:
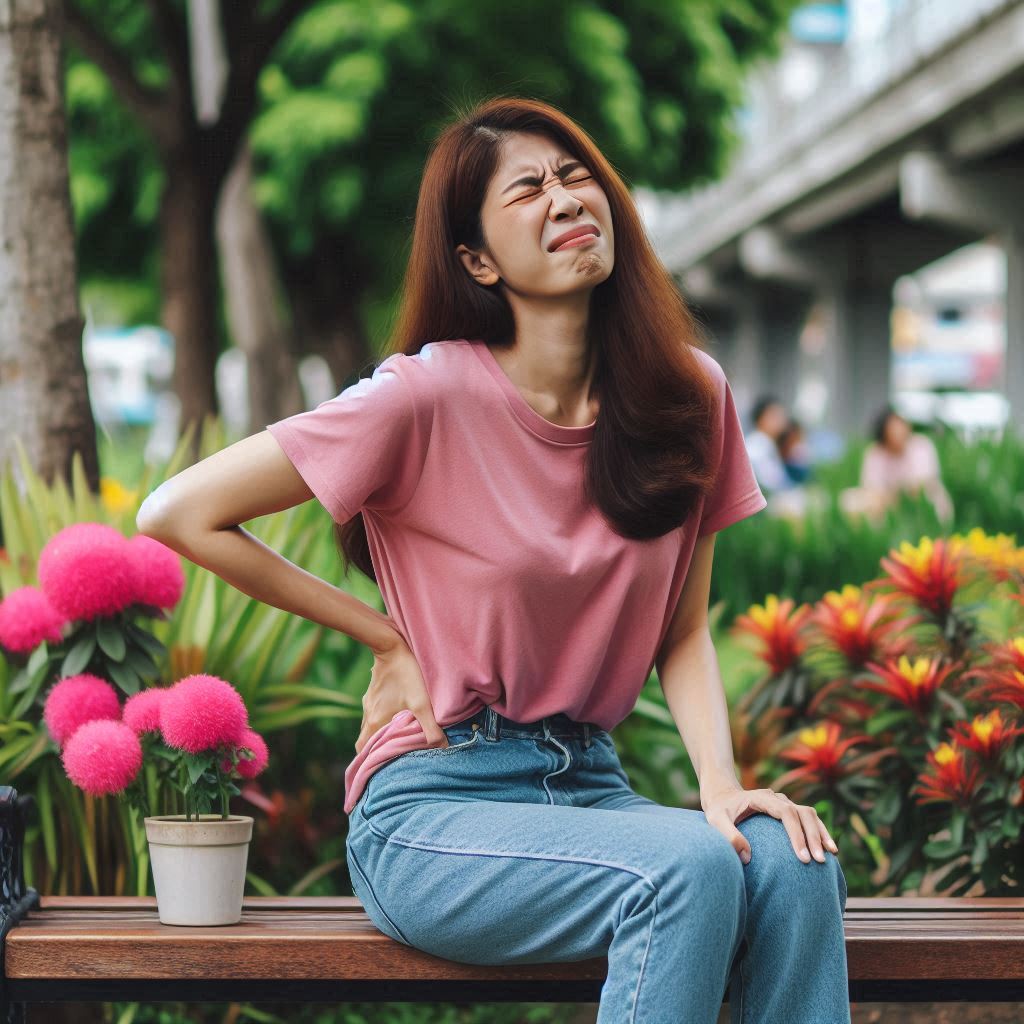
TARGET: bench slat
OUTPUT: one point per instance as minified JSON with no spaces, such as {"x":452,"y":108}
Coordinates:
{"x":331,"y":938}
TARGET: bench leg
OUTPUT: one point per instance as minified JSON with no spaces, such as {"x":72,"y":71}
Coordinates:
{"x":15,"y":899}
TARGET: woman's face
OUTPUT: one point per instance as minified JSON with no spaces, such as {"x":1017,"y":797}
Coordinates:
{"x":897,"y":430}
{"x":538,"y":192}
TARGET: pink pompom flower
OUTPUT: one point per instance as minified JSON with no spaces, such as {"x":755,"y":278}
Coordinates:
{"x":77,"y":700}
{"x":86,"y":571}
{"x":27,"y":619}
{"x":142,"y":710}
{"x":159,"y":578}
{"x":202,"y":712}
{"x":249,"y":769}
{"x":102,"y":757}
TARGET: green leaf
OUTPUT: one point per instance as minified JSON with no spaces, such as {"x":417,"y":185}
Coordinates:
{"x":263,"y":887}
{"x":20,"y":681}
{"x":147,"y":641}
{"x":79,"y":656}
{"x":941,"y":849}
{"x":38,"y":660}
{"x":111,"y":639}
{"x":196,"y":764}
{"x":888,"y":807}
{"x":124,"y":677}
{"x":139,"y":661}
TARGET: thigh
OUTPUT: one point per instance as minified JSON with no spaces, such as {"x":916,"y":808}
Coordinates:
{"x":524,"y":881}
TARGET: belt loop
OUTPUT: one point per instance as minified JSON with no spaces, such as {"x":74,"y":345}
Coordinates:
{"x":586,"y":734}
{"x":492,"y":725}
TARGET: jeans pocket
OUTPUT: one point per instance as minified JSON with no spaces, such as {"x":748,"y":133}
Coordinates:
{"x":452,"y":748}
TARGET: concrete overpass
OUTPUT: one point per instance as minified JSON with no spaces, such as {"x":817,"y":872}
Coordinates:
{"x":909,"y":149}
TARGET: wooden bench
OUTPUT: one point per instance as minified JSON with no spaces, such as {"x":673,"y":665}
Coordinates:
{"x":91,"y":948}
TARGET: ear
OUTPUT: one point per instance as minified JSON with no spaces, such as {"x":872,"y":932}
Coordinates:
{"x":477,"y":265}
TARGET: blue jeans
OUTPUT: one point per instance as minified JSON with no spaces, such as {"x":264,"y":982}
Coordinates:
{"x":524,"y":843}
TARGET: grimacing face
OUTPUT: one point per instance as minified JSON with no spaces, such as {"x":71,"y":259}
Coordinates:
{"x":538,"y":192}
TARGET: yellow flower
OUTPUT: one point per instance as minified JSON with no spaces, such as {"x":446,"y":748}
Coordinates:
{"x":984,"y":725}
{"x":847,"y":596}
{"x":916,"y":558}
{"x":945,"y":754}
{"x":915,"y":673}
{"x":115,"y":496}
{"x":767,"y":614}
{"x":815,"y":738}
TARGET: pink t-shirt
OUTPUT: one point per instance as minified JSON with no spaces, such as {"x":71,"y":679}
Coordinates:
{"x":510,"y":590}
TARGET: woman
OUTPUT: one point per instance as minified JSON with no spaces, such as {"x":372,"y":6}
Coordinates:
{"x":900,"y":460}
{"x":534,"y":476}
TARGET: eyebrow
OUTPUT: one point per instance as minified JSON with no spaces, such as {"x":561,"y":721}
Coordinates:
{"x":534,"y":180}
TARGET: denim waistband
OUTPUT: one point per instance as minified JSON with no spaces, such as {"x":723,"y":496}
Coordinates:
{"x":495,"y":724}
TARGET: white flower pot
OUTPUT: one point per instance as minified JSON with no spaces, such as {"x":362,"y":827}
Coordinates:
{"x":199,"y":867}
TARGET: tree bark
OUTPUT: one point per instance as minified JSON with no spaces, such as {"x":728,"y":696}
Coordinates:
{"x":44,"y":397}
{"x":256,"y":310}
{"x":188,"y":269}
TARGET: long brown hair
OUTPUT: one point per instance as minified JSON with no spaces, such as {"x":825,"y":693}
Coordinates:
{"x":651,"y":456}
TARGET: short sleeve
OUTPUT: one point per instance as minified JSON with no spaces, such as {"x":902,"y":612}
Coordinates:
{"x":365,"y":447}
{"x":736,"y":494}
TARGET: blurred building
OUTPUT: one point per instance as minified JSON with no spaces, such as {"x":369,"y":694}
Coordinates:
{"x":888,"y":135}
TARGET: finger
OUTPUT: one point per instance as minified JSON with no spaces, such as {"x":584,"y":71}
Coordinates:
{"x":786,"y":813}
{"x":720,"y":820}
{"x":826,"y":838}
{"x":809,"y":819}
{"x":435,"y":734}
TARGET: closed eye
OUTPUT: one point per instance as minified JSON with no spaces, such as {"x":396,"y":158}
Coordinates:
{"x":569,"y":181}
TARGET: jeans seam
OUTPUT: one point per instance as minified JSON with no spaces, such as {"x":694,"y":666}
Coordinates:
{"x":420,"y":844}
{"x":431,"y":848}
{"x":643,"y":961}
{"x":369,"y":888}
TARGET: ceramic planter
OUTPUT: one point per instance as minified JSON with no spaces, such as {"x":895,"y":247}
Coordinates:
{"x":199,"y":867}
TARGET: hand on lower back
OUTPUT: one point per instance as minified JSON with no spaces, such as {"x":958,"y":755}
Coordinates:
{"x":396,"y":684}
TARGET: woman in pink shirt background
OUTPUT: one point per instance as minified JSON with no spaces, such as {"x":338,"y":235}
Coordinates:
{"x":534,"y":476}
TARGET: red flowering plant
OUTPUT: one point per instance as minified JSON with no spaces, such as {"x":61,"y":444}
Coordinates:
{"x":94,"y":584}
{"x":194,"y":736}
{"x":904,"y":706}
{"x":81,"y":624}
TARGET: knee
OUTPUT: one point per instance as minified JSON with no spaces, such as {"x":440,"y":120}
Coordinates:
{"x":774,"y":858}
{"x":715,"y":869}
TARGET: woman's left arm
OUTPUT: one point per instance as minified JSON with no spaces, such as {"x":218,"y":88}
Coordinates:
{"x":691,"y":680}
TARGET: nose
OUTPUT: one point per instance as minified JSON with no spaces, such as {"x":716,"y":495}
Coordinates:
{"x":563,"y":202}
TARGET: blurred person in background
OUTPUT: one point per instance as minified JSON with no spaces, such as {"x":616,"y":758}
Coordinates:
{"x":770,"y":419}
{"x":795,"y":453}
{"x":898,"y":460}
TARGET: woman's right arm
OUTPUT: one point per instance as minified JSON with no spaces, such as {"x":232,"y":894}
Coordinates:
{"x":198,"y":513}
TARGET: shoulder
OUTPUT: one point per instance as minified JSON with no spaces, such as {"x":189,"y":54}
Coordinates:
{"x":434,"y":363}
{"x":429,"y":371}
{"x":710,"y":364}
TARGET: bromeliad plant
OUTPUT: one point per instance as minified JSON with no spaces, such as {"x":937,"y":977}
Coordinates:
{"x":904,"y":706}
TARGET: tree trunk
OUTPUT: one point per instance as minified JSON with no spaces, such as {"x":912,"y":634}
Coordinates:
{"x":256,"y":313}
{"x":331,"y":327}
{"x":189,"y":285}
{"x":44,"y":397}
{"x":257,"y":323}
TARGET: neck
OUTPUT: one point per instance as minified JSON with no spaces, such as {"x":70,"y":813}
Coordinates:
{"x":552,"y":361}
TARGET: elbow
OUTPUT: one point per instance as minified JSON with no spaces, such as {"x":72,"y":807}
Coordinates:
{"x":154,"y":516}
